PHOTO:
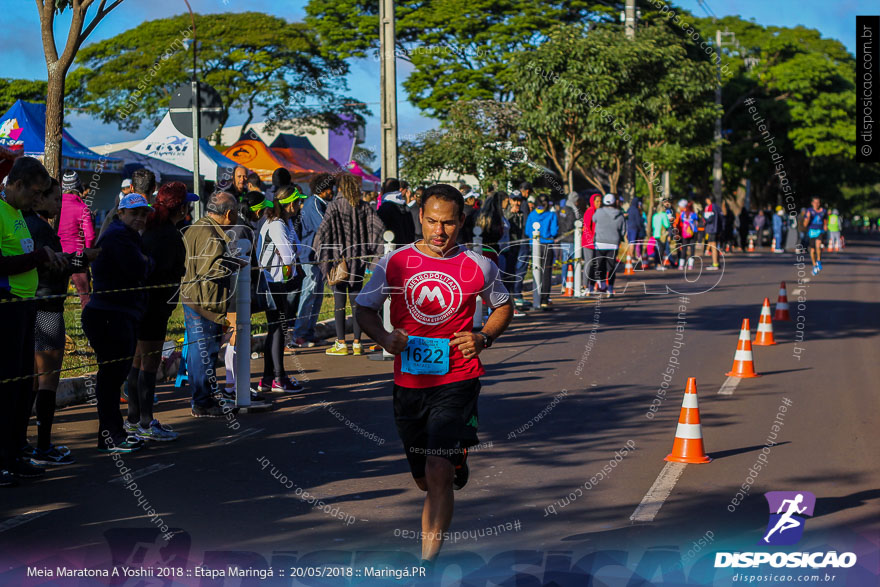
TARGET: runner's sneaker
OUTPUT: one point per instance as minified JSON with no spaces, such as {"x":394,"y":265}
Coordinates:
{"x":287,"y":385}
{"x":712,"y":268}
{"x":819,"y":265}
{"x":28,"y":451}
{"x":339,"y":349}
{"x":53,"y":456}
{"x":462,"y":472}
{"x":24,"y":470}
{"x":303,"y":343}
{"x":130,"y":427}
{"x":357,"y":348}
{"x":156,"y":431}
{"x":815,"y":270}
{"x":125,"y":445}
{"x":519,"y":314}
{"x":214,"y":411}
{"x":6,"y":479}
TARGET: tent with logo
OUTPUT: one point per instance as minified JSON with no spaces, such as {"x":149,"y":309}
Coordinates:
{"x":163,"y":170}
{"x":24,"y":127}
{"x":166,"y":143}
{"x":299,"y":151}
{"x":252,"y":152}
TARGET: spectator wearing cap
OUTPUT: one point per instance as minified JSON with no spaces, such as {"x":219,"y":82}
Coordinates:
{"x":76,"y":228}
{"x":26,"y":181}
{"x":516,"y":251}
{"x":211,"y":267}
{"x":323,"y":188}
{"x":548,"y":225}
{"x":110,"y":319}
{"x":395,"y":215}
{"x":609,"y":229}
{"x":162,"y":242}
{"x":124,"y":190}
{"x":466,"y":234}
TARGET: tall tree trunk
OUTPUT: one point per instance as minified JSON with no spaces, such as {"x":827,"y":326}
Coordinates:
{"x":54,"y":120}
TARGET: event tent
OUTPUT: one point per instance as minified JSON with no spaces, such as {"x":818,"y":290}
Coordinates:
{"x":166,"y":143}
{"x":24,"y":126}
{"x":355,"y":169}
{"x":163,"y":170}
{"x":252,"y":152}
{"x":299,"y":151}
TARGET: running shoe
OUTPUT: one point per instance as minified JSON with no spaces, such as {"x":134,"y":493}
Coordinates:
{"x":125,"y":445}
{"x":815,"y":270}
{"x":129,"y":427}
{"x":263,"y":386}
{"x":303,"y":343}
{"x":712,"y":268}
{"x":819,"y":265}
{"x":7,"y":479}
{"x":545,"y":307}
{"x":357,"y":348}
{"x":339,"y":349}
{"x":52,"y":457}
{"x":214,"y":411}
{"x":518,"y":314}
{"x":156,"y":431}
{"x":287,"y":385}
{"x":462,"y":472}
{"x":24,"y":470}
{"x":28,"y":451}
{"x":609,"y":293}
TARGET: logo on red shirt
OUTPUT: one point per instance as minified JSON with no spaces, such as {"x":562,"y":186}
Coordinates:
{"x":432,"y":297}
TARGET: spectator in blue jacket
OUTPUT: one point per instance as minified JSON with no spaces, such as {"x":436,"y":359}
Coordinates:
{"x":635,"y":227}
{"x":544,"y":215}
{"x":312,"y":290}
{"x":110,"y":319}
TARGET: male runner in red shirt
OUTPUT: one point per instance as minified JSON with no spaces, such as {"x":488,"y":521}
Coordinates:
{"x":434,"y":284}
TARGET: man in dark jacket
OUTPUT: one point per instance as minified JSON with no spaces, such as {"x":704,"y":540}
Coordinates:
{"x":395,"y":215}
{"x":635,"y":227}
{"x":517,"y":251}
{"x":312,"y":289}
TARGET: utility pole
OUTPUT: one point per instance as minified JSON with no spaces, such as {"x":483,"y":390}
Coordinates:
{"x":716,"y":165}
{"x":628,"y":184}
{"x":388,"y":77}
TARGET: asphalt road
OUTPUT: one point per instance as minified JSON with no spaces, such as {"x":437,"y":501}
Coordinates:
{"x":557,"y":405}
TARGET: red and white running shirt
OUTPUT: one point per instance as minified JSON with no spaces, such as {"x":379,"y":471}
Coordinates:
{"x":434,"y":297}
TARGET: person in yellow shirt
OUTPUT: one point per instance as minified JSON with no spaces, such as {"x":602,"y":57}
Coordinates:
{"x":18,"y":283}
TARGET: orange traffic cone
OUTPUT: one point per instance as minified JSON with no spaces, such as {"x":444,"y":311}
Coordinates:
{"x":569,"y":282}
{"x":688,"y":445}
{"x":764,"y":335}
{"x":743,"y":364}
{"x":782,"y":305}
{"x":628,"y":268}
{"x":751,"y":245}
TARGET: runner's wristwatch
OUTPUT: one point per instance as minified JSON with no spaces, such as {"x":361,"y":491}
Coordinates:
{"x":487,"y":340}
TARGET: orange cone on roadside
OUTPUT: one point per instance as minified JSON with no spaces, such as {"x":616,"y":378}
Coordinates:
{"x":628,"y":268}
{"x":743,"y":363}
{"x":764,"y":335}
{"x":688,"y":444}
{"x":569,"y":282}
{"x":782,"y":305}
{"x":751,"y":245}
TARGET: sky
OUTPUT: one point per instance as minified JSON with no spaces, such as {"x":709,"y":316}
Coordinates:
{"x":23,"y":51}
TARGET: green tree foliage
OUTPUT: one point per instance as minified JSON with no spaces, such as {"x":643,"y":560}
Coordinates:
{"x":21,"y":89}
{"x":258,"y":63}
{"x":480,"y":137}
{"x":459,"y":48}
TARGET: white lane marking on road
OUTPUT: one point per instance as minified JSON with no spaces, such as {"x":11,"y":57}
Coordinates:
{"x":729,"y":386}
{"x":660,"y":490}
{"x":22,"y":519}
{"x":236,"y":437}
{"x":154,"y":468}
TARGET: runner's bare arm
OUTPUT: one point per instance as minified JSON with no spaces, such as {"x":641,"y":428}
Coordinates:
{"x":394,"y":342}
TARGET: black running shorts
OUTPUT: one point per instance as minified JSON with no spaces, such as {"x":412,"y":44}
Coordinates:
{"x":436,"y":421}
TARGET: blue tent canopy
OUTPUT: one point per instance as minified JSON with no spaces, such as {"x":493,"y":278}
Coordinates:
{"x":25,"y":124}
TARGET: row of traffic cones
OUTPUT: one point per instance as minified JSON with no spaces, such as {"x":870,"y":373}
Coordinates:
{"x":688,"y":444}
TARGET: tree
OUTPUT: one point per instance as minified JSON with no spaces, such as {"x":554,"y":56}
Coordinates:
{"x":460,"y":50}
{"x":255,"y":61}
{"x":481,"y":138}
{"x":57,"y":65}
{"x":21,"y":89}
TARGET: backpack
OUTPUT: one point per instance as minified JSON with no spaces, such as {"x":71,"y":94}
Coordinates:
{"x":687,"y":225}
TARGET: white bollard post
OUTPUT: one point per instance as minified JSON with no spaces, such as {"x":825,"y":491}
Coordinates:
{"x":388,"y":237}
{"x":578,"y":258}
{"x":243,"y":338}
{"x":536,"y":264}
{"x":478,"y":310}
